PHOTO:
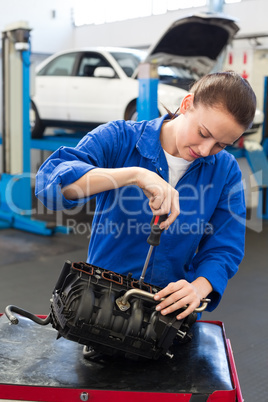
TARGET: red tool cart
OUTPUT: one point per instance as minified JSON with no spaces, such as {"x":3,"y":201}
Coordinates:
{"x":34,"y":366}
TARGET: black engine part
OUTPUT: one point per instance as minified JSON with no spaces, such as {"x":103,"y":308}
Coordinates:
{"x":87,"y":307}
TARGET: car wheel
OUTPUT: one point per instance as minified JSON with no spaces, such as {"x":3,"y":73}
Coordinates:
{"x":37,"y":127}
{"x":132,"y":113}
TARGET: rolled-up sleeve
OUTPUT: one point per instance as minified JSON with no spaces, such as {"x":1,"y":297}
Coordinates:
{"x":66,"y":165}
{"x":221,"y":251}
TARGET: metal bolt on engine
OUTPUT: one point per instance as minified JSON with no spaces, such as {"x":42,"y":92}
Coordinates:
{"x":84,"y":396}
{"x":181,"y":334}
{"x":170,"y":355}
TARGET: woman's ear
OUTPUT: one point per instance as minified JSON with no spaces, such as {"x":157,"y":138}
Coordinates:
{"x":186,"y":103}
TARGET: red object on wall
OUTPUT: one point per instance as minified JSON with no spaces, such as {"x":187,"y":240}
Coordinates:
{"x":244,"y":75}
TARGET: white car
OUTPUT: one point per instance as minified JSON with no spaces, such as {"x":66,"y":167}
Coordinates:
{"x":94,"y":85}
{"x":81,"y":87}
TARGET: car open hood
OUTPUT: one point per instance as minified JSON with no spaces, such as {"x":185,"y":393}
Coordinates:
{"x":194,"y":42}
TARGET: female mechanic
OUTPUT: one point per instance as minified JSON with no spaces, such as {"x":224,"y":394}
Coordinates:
{"x":174,"y":164}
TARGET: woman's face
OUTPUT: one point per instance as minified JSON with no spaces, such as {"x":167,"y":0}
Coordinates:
{"x":201,"y":131}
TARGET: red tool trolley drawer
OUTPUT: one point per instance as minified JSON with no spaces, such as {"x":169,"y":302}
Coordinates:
{"x":34,"y":366}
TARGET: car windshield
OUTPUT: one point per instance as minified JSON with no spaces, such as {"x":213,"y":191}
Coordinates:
{"x":181,"y":77}
{"x":129,"y":61}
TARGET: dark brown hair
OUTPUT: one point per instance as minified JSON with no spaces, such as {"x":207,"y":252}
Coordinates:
{"x":229,"y":91}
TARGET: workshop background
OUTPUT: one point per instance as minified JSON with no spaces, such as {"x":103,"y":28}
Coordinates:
{"x":30,"y":263}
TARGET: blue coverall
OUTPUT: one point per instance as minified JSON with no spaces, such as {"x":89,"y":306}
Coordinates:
{"x":207,"y":238}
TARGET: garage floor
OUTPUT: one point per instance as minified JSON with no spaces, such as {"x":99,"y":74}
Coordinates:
{"x":30,"y":265}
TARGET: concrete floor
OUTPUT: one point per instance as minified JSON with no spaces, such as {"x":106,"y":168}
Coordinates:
{"x":30,"y":265}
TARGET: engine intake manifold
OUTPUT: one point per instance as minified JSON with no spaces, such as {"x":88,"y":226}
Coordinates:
{"x":110,"y":313}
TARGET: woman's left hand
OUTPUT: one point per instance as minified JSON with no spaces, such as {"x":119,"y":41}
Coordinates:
{"x":180,"y":294}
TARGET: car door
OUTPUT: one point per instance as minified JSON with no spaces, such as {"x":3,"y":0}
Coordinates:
{"x":51,"y":87}
{"x":94,"y":98}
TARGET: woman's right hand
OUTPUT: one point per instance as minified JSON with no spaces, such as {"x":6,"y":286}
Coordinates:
{"x":163,"y":198}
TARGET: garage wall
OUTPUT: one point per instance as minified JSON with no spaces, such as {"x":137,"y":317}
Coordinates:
{"x":138,"y":32}
{"x":50,"y":20}
{"x":52,"y":28}
{"x":250,"y":14}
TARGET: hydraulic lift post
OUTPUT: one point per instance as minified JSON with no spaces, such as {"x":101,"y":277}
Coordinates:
{"x":15,"y":182}
{"x":147,"y":106}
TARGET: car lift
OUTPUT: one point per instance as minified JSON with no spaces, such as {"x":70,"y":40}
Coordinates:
{"x":148,"y":83}
{"x":15,"y":182}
